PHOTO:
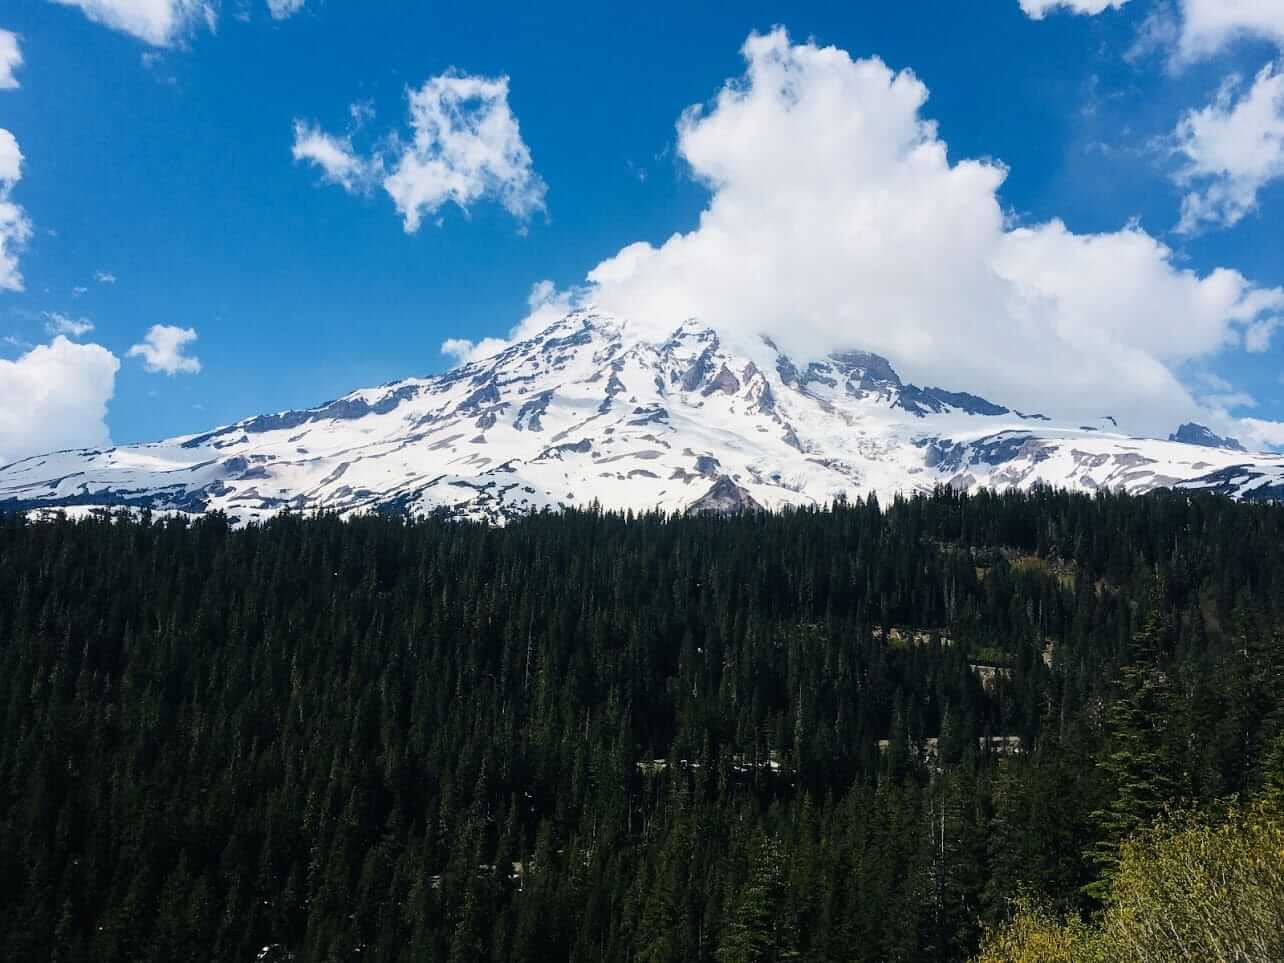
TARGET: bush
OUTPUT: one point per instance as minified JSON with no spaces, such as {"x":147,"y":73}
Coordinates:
{"x":1033,"y":935}
{"x":1185,"y":890}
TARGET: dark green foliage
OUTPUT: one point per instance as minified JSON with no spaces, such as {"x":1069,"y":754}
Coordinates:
{"x":1141,"y":754}
{"x":598,"y":737}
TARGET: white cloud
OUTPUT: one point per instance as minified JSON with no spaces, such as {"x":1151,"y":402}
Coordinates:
{"x":163,"y":350}
{"x":335,"y":157}
{"x":1218,"y":394}
{"x":57,"y":323}
{"x":361,"y":112}
{"x":545,"y":305}
{"x":464,"y":351}
{"x":1233,"y":148}
{"x":1258,"y":433}
{"x":55,"y":396}
{"x":1038,"y":9}
{"x":837,"y":220}
{"x":104,"y":277}
{"x":1209,"y":25}
{"x":161,"y":23}
{"x":1158,"y":33}
{"x":15,"y":227}
{"x":281,"y":9}
{"x":10,"y":60}
{"x":465,"y":147}
{"x":1257,"y":336}
{"x":10,"y":160}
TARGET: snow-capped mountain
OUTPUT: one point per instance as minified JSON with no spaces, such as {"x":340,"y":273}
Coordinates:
{"x":592,"y":410}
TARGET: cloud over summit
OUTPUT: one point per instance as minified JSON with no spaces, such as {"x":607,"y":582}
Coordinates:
{"x":836,"y":219}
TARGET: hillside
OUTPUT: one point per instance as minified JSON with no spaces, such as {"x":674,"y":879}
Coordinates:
{"x":585,"y":736}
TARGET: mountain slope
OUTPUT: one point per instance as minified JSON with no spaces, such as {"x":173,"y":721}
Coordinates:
{"x":589,"y":410}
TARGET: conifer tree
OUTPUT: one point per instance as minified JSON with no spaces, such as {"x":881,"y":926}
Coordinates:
{"x":1139,"y":758}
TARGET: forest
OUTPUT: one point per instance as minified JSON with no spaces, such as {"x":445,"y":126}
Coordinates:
{"x":950,"y":725}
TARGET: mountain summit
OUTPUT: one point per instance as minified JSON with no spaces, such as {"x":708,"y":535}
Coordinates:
{"x":590,"y":410}
{"x":1193,"y":434}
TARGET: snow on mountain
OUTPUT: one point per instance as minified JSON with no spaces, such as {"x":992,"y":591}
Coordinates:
{"x":592,"y":410}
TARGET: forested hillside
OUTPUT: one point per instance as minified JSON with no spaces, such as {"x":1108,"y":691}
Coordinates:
{"x":853,"y":734}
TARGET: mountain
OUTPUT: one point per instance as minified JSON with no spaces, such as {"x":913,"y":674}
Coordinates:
{"x":592,"y":410}
{"x":1193,"y":434}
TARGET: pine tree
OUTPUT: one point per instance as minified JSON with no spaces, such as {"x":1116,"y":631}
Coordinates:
{"x":1140,"y":758}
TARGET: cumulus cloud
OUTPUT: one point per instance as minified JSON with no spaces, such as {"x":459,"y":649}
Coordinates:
{"x":104,"y":277}
{"x":281,"y":9}
{"x":837,"y":220}
{"x":465,"y":146}
{"x":55,"y":396}
{"x":10,"y":60}
{"x":161,"y":23}
{"x":163,"y":350}
{"x":1209,"y":25}
{"x":1038,"y":9}
{"x":15,"y":227}
{"x":1232,"y":149}
{"x":57,"y":323}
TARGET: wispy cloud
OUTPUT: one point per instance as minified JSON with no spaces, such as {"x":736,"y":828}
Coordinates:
{"x":281,"y":9}
{"x":10,"y":59}
{"x":57,"y":323}
{"x":334,"y":157}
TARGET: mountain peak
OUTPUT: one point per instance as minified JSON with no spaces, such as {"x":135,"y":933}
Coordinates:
{"x":1193,"y":434}
{"x":594,"y":409}
{"x":869,"y":368}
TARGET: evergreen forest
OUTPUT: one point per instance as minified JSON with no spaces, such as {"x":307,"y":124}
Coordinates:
{"x":873,"y":732}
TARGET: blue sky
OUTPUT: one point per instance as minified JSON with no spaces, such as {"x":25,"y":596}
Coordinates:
{"x":169,"y":168}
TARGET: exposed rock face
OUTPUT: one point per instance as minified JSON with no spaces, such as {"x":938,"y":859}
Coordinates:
{"x":724,"y":498}
{"x":1193,"y":434}
{"x":593,"y":410}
